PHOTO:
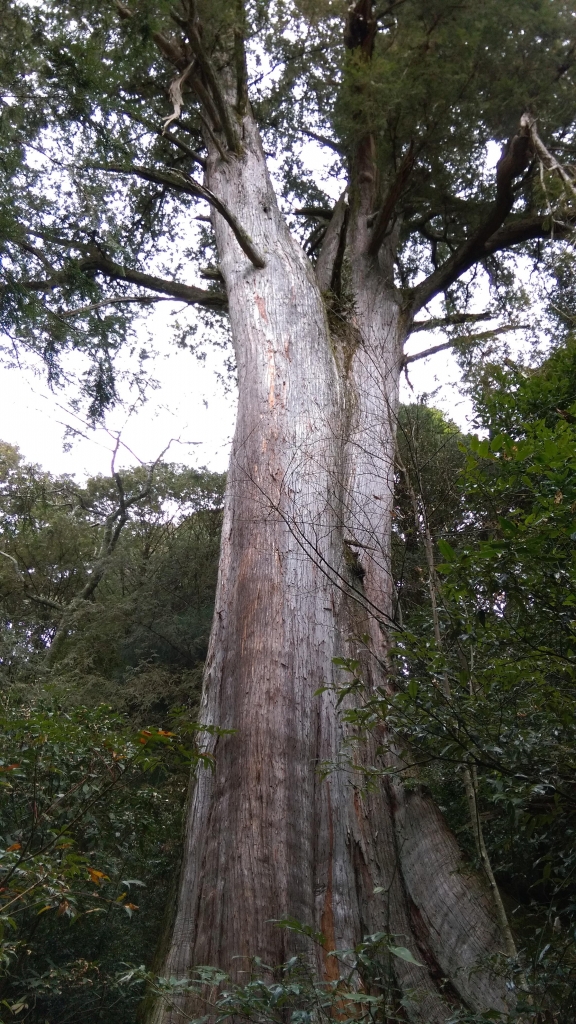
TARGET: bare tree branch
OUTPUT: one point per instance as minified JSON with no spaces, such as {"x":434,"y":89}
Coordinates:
{"x":143,"y":300}
{"x":550,"y":162}
{"x":450,"y":321}
{"x":469,"y":339}
{"x":323,"y":140}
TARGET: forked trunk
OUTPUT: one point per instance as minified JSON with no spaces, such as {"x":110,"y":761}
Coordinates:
{"x":307,"y":524}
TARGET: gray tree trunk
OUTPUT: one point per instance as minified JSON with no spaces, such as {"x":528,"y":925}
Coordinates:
{"x":307,"y":524}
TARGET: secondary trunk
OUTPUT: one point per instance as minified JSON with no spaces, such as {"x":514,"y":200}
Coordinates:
{"x":305,"y":566}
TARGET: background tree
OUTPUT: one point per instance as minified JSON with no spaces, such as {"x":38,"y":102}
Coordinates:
{"x":96,"y":744}
{"x":97,"y":224}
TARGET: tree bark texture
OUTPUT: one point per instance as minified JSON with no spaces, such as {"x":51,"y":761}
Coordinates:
{"x":305,"y":567}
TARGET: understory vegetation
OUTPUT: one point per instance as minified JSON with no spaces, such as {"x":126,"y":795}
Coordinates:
{"x":99,"y":696}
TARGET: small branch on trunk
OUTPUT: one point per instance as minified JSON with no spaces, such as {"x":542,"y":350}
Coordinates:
{"x":469,"y":339}
{"x":396,"y":189}
{"x":514,"y":160}
{"x":182,"y":182}
{"x":212,"y":274}
{"x":315,"y":212}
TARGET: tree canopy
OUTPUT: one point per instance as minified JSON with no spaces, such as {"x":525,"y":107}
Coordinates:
{"x":104,"y":140}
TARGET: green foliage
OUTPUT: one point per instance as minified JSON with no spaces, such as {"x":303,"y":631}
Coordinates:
{"x":85,"y":95}
{"x":87,"y":841}
{"x":139,"y":641}
{"x":90,"y":792}
{"x":429,"y":457}
{"x":365,"y":990}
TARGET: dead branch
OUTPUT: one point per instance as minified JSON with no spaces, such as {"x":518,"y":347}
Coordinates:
{"x":175,"y":94}
{"x":550,"y":162}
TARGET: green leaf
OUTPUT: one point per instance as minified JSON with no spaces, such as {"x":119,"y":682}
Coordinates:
{"x":404,"y":954}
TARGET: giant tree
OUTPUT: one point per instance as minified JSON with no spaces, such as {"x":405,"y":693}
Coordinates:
{"x":121,"y":121}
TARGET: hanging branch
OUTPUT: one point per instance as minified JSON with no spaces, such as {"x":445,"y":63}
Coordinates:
{"x":175,"y":94}
{"x":182,"y":182}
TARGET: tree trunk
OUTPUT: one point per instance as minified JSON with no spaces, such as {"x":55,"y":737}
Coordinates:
{"x":305,"y":566}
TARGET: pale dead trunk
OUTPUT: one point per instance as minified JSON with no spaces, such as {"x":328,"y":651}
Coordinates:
{"x":310,"y":480}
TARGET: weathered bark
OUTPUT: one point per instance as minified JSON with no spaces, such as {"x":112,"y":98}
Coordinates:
{"x":309,"y":487}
